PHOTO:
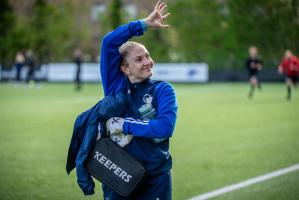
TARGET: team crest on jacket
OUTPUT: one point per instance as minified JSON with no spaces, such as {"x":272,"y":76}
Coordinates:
{"x":146,"y":110}
{"x":147,"y":99}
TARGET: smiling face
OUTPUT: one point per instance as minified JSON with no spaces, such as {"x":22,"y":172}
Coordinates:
{"x":137,"y":63}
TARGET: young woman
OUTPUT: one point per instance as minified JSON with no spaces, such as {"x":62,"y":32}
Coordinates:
{"x":290,"y":67}
{"x":150,"y":119}
{"x":253,"y":65}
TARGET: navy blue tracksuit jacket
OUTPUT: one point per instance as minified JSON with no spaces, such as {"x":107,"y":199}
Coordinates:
{"x":152,"y":110}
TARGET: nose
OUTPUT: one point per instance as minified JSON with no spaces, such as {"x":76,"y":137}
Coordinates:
{"x":147,"y":61}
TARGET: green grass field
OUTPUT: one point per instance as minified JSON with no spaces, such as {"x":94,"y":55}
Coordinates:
{"x":221,"y":138}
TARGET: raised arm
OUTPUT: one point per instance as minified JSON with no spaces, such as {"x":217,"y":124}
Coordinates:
{"x":112,"y":77}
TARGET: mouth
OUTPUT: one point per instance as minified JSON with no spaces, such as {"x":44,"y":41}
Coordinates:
{"x":148,"y":68}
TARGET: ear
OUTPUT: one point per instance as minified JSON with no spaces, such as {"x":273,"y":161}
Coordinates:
{"x":125,"y":69}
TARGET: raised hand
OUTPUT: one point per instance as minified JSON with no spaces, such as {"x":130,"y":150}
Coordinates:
{"x":156,"y":18}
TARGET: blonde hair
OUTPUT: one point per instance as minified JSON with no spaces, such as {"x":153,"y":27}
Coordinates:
{"x":125,"y":49}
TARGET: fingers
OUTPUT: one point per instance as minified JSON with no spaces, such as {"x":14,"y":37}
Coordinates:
{"x":162,"y":7}
{"x":158,"y":4}
{"x":165,"y":16}
{"x":164,"y":26}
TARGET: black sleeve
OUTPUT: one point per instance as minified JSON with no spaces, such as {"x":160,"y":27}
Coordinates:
{"x":247,"y":64}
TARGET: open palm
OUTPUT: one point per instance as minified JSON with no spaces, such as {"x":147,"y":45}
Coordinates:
{"x":156,"y":18}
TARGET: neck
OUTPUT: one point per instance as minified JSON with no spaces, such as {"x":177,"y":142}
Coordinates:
{"x":135,"y":80}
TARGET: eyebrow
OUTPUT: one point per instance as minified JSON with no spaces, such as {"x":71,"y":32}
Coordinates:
{"x":147,"y":53}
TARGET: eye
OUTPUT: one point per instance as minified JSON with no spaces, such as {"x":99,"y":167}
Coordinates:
{"x":138,"y":59}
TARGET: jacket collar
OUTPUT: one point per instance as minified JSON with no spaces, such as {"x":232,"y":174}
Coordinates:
{"x":140,"y":85}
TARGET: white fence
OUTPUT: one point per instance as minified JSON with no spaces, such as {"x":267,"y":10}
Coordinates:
{"x":90,"y":72}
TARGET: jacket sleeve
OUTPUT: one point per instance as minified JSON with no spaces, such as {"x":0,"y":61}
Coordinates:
{"x":296,"y":61}
{"x":77,"y":138}
{"x":247,"y":64}
{"x":83,"y":177}
{"x":74,"y":145}
{"x":112,"y":77}
{"x":282,"y":65}
{"x":108,"y":107}
{"x":163,"y":125}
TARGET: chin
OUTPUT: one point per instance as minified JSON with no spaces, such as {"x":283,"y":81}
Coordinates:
{"x":149,"y":74}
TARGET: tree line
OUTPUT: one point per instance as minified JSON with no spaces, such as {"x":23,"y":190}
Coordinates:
{"x":217,"y":32}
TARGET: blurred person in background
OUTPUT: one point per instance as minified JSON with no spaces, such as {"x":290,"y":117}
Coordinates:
{"x":289,"y":66}
{"x":31,"y":64}
{"x":145,"y":129}
{"x":78,"y":61}
{"x":253,"y":65}
{"x":19,"y":63}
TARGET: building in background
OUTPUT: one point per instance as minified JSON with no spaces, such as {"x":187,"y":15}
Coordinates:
{"x":89,"y":17}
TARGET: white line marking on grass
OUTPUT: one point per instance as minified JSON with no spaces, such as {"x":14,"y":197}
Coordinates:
{"x":246,"y":183}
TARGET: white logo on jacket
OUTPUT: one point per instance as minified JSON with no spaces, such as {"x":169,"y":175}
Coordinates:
{"x":147,"y":99}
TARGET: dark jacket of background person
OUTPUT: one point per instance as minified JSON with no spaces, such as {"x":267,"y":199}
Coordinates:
{"x":19,"y":62}
{"x":78,"y":62}
{"x":252,"y":65}
{"x":85,"y":134}
{"x":31,"y":64}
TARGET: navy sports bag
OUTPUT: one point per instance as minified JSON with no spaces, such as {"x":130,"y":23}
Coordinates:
{"x":114,"y":167}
